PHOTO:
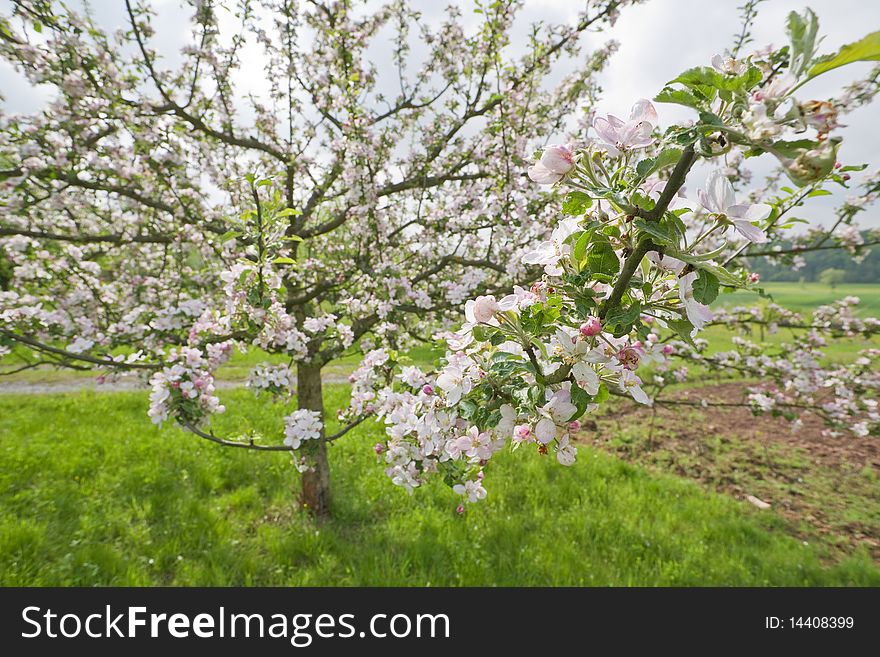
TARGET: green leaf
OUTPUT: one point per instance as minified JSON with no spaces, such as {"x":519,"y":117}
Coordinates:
{"x":580,"y":398}
{"x":710,"y":118}
{"x":603,"y":259}
{"x":576,"y":203}
{"x":866,"y":49}
{"x":704,"y":80}
{"x":623,"y":318}
{"x":580,"y":248}
{"x":723,"y":276}
{"x":229,"y":235}
{"x":642,"y":200}
{"x":683,"y":329}
{"x":750,"y":78}
{"x":705,"y":287}
{"x":794,"y":148}
{"x":802,"y":32}
{"x":699,"y":77}
{"x":709,"y":255}
{"x":466,"y":408}
{"x":658,"y":233}
{"x":667,"y":157}
{"x":284,"y":261}
{"x":679,"y":97}
{"x":289,"y":212}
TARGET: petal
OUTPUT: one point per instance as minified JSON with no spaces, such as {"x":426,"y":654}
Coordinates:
{"x":586,"y":377}
{"x":643,"y":110}
{"x":542,"y":175}
{"x":558,"y":159}
{"x":698,"y":313}
{"x":605,"y":130}
{"x":686,"y":284}
{"x":751,"y":232}
{"x":757,"y":212}
{"x":545,"y":431}
{"x":639,"y":395}
{"x":508,"y":303}
{"x":720,"y":191}
{"x":469,"y":316}
{"x":666,"y":262}
{"x":543,"y":254}
{"x":636,"y":135}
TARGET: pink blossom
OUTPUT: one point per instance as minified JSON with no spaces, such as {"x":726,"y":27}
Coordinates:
{"x":591,"y":327}
{"x":555,"y":162}
{"x":620,"y":136}
{"x":522,"y":433}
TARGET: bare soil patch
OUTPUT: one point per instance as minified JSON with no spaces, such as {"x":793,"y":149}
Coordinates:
{"x":828,"y":487}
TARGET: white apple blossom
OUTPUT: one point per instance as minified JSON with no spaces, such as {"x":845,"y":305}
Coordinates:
{"x":300,"y":426}
{"x":550,"y":252}
{"x":566,"y":453}
{"x":728,"y":65}
{"x":698,"y":313}
{"x":621,"y":136}
{"x":719,"y":198}
{"x":473,"y":490}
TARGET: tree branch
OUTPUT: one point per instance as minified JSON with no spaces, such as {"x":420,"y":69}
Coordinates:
{"x":39,"y":346}
{"x":632,"y":262}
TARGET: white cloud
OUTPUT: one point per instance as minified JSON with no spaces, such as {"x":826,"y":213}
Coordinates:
{"x":657,"y":40}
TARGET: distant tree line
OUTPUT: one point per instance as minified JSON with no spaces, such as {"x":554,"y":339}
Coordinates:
{"x":857,"y":270}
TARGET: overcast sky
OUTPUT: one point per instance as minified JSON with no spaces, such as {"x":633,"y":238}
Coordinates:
{"x":657,"y":40}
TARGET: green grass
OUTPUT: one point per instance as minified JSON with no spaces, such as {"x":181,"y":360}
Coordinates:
{"x":802,"y":298}
{"x":805,"y":297}
{"x":92,"y":494}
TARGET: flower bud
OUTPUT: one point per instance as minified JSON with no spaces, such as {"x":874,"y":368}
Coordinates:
{"x":558,"y":159}
{"x":593,"y":326}
{"x":522,"y":432}
{"x":485,"y":308}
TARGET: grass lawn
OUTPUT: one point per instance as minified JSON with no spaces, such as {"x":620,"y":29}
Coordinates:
{"x":805,"y":297}
{"x":92,"y":494}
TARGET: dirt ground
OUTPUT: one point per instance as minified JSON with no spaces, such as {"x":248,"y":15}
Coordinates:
{"x":827,"y":487}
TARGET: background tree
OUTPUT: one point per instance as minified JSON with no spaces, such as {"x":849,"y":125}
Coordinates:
{"x":832,"y":277}
{"x":155,"y":214}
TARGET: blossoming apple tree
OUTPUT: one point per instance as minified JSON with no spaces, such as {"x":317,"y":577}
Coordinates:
{"x":305,"y":178}
{"x":630,"y":270}
{"x":374,"y":217}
